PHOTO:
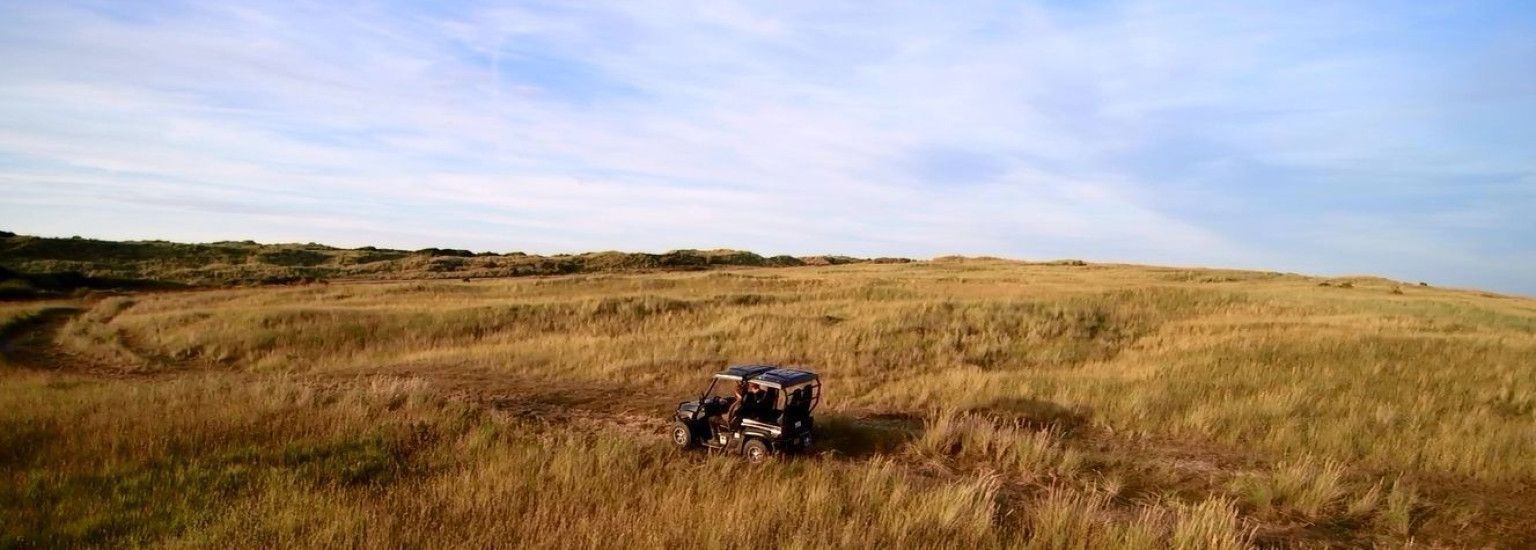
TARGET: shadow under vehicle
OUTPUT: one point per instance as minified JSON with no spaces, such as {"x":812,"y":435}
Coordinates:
{"x":775,"y":420}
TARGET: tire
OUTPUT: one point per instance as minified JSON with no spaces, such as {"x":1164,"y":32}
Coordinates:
{"x":683,"y":437}
{"x":756,"y":452}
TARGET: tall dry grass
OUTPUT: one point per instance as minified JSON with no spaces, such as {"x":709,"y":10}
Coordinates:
{"x":261,"y":461}
{"x":1434,"y":380}
{"x":1102,"y":406}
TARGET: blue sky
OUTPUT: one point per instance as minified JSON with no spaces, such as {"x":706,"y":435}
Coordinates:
{"x":1392,"y":138}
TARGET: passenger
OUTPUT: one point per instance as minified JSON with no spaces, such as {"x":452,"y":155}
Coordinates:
{"x":768,"y":409}
{"x":798,"y":403}
{"x":754,"y":404}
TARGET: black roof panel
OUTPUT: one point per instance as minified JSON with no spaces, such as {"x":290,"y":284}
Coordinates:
{"x":786,"y":377}
{"x":746,"y":371}
{"x":769,"y":374}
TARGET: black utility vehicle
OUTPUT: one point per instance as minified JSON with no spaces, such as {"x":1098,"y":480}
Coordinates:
{"x":774,"y":418}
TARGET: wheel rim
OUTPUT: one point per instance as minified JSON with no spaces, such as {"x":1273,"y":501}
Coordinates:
{"x":680,"y":436}
{"x":755,"y":454}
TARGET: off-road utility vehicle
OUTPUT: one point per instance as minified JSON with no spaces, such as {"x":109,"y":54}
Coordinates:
{"x":774,"y":418}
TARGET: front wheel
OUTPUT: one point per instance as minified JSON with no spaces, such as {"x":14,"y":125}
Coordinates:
{"x":682,"y":436}
{"x":756,"y":451}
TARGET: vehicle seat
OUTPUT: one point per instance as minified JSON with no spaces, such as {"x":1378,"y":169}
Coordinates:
{"x":799,"y":404}
{"x":766,"y":411}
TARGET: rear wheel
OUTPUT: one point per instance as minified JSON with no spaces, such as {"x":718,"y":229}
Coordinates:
{"x":756,"y":451}
{"x":682,"y":436}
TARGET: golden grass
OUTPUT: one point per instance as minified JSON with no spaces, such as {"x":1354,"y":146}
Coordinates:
{"x":1021,"y":452}
{"x":970,"y":403}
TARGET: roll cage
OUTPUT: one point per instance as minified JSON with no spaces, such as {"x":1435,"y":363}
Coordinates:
{"x":788,"y":382}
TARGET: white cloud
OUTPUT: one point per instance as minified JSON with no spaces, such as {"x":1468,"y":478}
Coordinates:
{"x":790,"y":128}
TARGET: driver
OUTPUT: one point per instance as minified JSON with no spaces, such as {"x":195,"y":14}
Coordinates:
{"x":733,"y":413}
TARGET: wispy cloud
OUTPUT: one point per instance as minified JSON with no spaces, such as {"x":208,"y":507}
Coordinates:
{"x":1365,"y":138}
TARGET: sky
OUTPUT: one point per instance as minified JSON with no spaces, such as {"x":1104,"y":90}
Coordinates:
{"x":1390,"y":138}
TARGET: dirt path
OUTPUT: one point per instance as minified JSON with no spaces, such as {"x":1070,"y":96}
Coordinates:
{"x":32,"y":344}
{"x":28,"y":342}
{"x":633,"y":409}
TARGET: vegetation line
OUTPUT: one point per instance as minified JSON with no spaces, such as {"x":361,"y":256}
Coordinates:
{"x":39,"y":266}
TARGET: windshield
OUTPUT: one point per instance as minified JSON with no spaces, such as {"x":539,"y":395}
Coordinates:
{"x":721,"y":388}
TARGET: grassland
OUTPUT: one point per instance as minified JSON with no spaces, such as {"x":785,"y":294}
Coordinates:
{"x":41,"y":266}
{"x":970,"y":404}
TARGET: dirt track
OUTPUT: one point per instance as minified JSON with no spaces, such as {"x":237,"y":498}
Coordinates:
{"x":31,"y":344}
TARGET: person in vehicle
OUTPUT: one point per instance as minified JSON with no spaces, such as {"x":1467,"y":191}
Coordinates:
{"x":754,"y":402}
{"x":733,"y":414}
{"x":767,"y":401}
{"x":799,"y":403}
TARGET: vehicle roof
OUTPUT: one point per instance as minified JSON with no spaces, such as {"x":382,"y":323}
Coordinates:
{"x":738,"y":372}
{"x":767,"y":374}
